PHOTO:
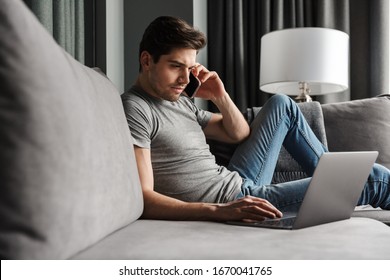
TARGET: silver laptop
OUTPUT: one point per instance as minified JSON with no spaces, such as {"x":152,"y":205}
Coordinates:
{"x":333,"y":192}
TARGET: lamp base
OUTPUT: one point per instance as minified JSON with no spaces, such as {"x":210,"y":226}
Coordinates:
{"x":303,"y":96}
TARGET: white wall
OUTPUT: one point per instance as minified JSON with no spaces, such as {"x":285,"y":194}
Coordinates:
{"x":200,"y":22}
{"x":115,"y":43}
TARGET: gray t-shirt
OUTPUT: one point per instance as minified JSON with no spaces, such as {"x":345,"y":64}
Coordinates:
{"x":183,"y":166}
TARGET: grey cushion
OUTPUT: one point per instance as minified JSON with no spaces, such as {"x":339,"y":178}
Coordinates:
{"x":367,"y":211}
{"x":68,"y":175}
{"x":356,"y":238}
{"x":359,"y":125}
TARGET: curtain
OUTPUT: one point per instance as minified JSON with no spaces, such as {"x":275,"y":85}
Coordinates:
{"x":64,"y":19}
{"x":235,"y":28}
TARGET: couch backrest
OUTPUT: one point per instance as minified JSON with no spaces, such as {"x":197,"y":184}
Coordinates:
{"x":68,"y":174}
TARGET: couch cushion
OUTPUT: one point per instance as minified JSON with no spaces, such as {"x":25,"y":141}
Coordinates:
{"x":367,"y":211}
{"x":359,"y":125}
{"x":68,"y":175}
{"x":356,"y":238}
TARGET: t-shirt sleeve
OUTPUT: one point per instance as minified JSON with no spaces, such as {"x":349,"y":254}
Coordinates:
{"x":202,"y":116}
{"x":139,"y":121}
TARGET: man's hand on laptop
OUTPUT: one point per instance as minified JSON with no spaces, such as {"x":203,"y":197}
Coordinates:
{"x":248,"y":209}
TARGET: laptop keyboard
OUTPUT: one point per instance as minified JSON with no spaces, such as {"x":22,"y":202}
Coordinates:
{"x":286,"y":222}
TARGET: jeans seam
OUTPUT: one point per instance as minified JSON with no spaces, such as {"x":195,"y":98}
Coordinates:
{"x":268,"y":148}
{"x":378,"y":181}
{"x":304,"y":135}
{"x":287,"y":203}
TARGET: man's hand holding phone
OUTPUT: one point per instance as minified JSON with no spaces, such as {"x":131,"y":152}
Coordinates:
{"x":205,"y":84}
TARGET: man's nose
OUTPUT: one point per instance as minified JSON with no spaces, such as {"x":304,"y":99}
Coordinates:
{"x":184,"y":77}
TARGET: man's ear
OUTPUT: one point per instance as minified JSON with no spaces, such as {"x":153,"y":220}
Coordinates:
{"x":145,"y":60}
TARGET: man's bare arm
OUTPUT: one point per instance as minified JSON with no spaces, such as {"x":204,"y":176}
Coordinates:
{"x":158,"y":206}
{"x":230,"y":126}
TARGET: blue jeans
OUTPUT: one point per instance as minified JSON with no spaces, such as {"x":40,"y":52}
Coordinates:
{"x":280,"y":122}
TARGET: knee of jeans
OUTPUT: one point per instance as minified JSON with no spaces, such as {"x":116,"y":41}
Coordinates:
{"x":281,"y":99}
{"x":380,"y":173}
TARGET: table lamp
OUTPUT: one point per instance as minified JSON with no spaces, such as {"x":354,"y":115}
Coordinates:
{"x":304,"y":61}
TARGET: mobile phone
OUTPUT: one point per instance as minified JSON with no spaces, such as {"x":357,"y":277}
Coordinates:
{"x":192,"y":86}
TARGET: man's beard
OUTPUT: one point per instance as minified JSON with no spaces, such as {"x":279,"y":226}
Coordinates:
{"x":168,"y":96}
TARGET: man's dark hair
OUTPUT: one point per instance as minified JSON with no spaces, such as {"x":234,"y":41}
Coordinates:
{"x":166,"y":33}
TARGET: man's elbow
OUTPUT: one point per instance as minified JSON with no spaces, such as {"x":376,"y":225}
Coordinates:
{"x":148,"y":204}
{"x":240,"y":135}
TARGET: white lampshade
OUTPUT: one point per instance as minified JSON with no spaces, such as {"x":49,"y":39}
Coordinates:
{"x":317,"y":56}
